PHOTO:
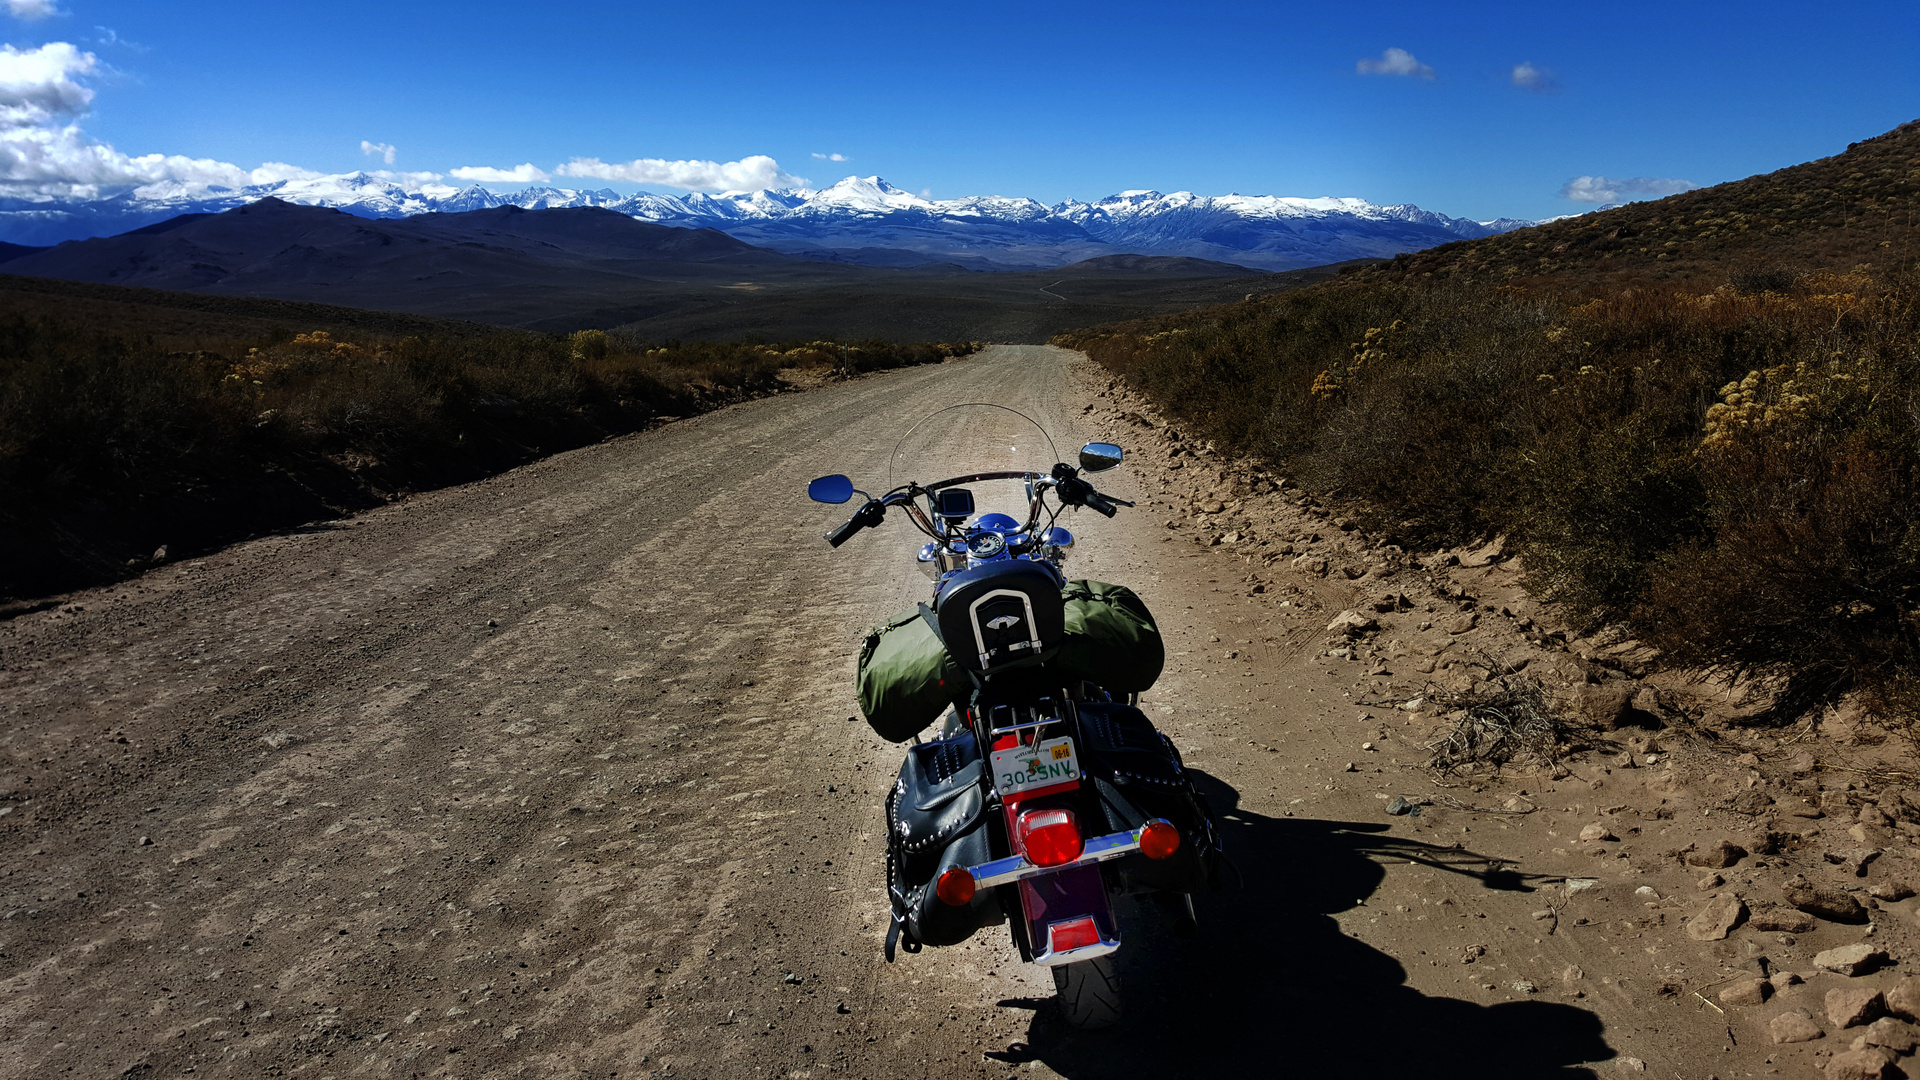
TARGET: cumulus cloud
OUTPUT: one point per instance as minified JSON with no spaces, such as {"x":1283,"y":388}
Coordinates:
{"x":1537,"y":79}
{"x":412,"y":181}
{"x":1394,"y":62}
{"x":748,"y":174}
{"x":273,"y":172}
{"x":44,"y":154}
{"x":38,"y":86}
{"x":384,"y":150}
{"x":525,"y":173}
{"x":56,"y":162}
{"x":831,"y":157}
{"x":32,"y":10}
{"x":1604,"y":189}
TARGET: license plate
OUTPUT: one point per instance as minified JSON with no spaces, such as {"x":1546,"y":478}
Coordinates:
{"x":1026,"y":769}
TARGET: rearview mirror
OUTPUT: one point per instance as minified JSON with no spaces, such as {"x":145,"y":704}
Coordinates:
{"x":1099,"y":456}
{"x":830,"y":489}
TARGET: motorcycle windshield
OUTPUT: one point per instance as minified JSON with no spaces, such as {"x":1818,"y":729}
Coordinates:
{"x":975,"y":437}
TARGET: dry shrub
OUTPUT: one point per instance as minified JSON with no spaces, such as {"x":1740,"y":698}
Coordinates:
{"x":110,"y":446}
{"x":1507,"y":721}
{"x":1731,"y":471}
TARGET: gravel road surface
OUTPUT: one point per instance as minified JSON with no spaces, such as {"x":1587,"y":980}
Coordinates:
{"x":553,"y":776}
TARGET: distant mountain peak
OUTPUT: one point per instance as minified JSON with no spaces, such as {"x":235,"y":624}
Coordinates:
{"x":862,"y":216}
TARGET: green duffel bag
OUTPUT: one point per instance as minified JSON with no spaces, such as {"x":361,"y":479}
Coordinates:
{"x":906,"y":677}
{"x":1111,"y":638}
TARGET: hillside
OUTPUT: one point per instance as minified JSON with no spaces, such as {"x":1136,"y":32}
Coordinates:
{"x":1698,"y":419}
{"x":1862,"y":205}
{"x":572,"y":268}
{"x":185,"y":321}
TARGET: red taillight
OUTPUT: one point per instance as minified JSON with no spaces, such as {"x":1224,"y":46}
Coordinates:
{"x":1049,"y":837}
{"x":1159,"y":840}
{"x":955,"y":887}
{"x":1072,"y":934}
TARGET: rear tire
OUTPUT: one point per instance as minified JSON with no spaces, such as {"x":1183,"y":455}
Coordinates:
{"x":1089,"y":993}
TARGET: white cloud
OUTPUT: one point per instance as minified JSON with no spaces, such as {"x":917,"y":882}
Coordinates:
{"x":1602,"y":189}
{"x":38,"y":86}
{"x":748,"y":174}
{"x":61,"y":162}
{"x":831,"y":157}
{"x":32,"y":10}
{"x":1537,"y":79}
{"x":274,"y":172}
{"x":44,"y":154}
{"x":412,"y":181}
{"x":1394,"y":62}
{"x":519,"y":174}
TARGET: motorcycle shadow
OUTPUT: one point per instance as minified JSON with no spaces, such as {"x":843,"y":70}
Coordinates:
{"x":1270,"y":986}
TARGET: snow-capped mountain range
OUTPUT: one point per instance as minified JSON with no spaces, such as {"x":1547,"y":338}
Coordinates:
{"x":859,"y":219}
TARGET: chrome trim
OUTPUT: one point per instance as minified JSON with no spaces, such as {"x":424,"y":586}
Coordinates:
{"x":1023,"y":727}
{"x":1099,"y":849}
{"x":1074,"y":956}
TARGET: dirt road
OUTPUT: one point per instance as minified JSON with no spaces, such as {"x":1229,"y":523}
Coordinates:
{"x":553,"y":776}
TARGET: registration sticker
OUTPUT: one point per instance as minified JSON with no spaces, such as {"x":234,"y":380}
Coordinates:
{"x":1023,"y":770}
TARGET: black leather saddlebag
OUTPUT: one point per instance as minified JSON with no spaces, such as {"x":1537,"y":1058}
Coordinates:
{"x":1137,"y":776}
{"x":937,"y":818}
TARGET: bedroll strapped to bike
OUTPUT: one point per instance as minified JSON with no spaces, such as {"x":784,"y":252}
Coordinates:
{"x":907,"y":677}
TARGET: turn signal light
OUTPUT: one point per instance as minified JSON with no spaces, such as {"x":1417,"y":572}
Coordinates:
{"x":1159,"y":840}
{"x":1049,"y":837}
{"x":955,"y":887}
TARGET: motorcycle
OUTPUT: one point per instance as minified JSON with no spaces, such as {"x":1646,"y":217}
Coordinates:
{"x":1046,"y":795}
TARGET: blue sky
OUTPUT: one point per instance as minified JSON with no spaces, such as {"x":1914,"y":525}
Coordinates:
{"x":1052,"y":101}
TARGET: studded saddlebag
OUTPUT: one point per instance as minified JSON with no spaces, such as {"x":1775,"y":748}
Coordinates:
{"x":937,"y":818}
{"x":1137,"y":776}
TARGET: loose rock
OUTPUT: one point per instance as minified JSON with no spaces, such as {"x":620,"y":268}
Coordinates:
{"x":1896,"y":1035}
{"x":1718,"y":918}
{"x":1825,"y":903}
{"x":1854,"y":859}
{"x":1594,"y":832}
{"x":1352,"y":623}
{"x":1718,"y":857}
{"x":1851,"y":960}
{"x":1463,"y":623}
{"x":1794,"y":1026}
{"x":1784,"y":920}
{"x":1903,"y":1000}
{"x":1603,"y":705}
{"x":1868,"y":1064}
{"x":1747,"y":992}
{"x":1849,"y":1006}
